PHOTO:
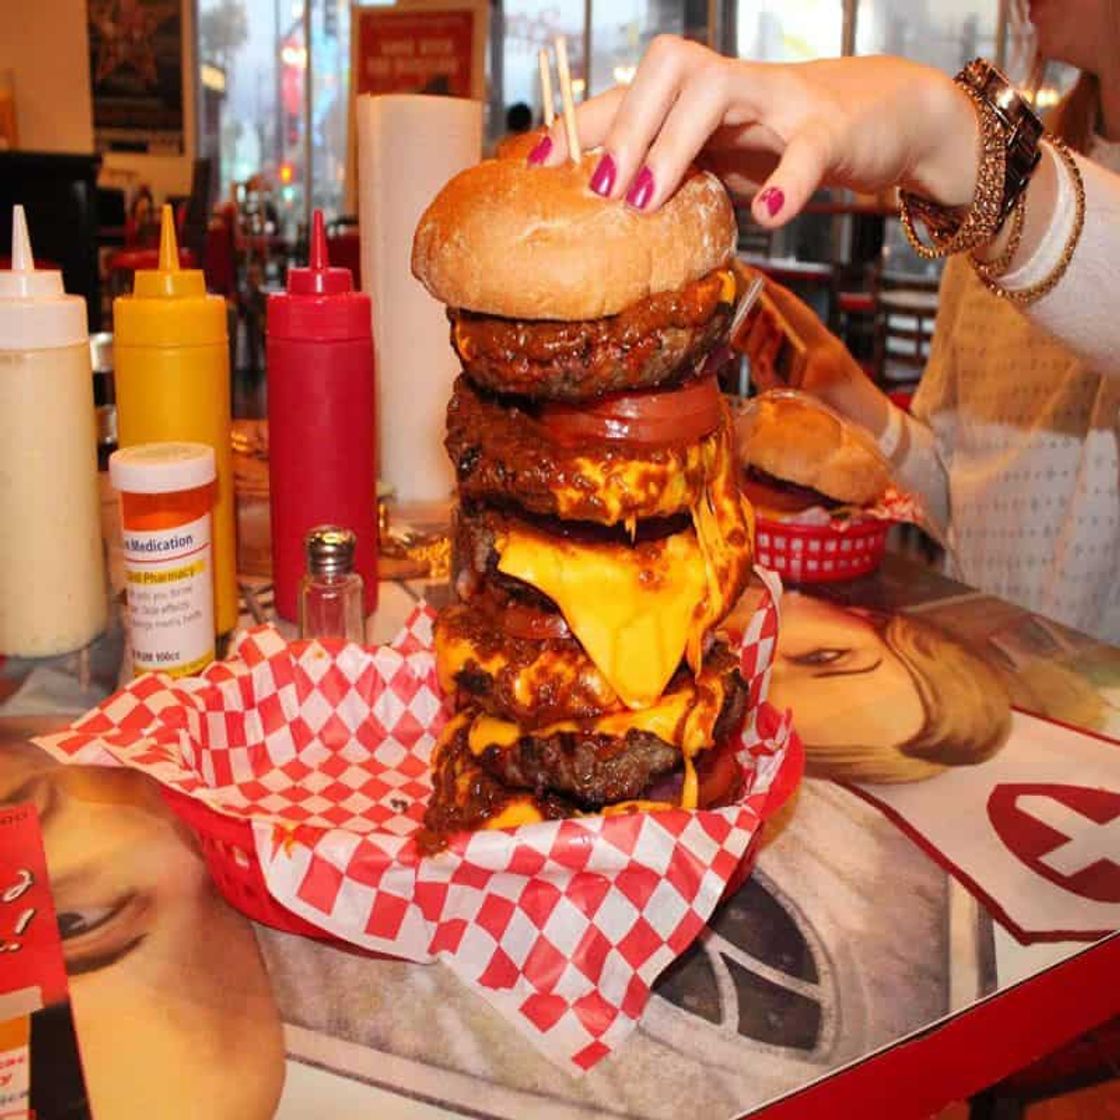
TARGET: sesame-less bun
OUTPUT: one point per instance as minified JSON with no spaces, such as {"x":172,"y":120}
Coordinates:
{"x":522,"y":242}
{"x":518,"y":145}
{"x":800,"y":442}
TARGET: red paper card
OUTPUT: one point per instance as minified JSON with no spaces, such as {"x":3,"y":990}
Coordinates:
{"x":40,"y":1071}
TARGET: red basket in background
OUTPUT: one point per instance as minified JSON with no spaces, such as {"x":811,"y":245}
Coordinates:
{"x":820,"y":553}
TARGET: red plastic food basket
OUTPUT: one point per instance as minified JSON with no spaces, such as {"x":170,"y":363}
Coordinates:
{"x":820,"y":553}
{"x":227,"y":850}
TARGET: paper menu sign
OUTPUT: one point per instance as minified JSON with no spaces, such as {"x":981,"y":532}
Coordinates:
{"x":1034,"y":830}
{"x":40,"y":1071}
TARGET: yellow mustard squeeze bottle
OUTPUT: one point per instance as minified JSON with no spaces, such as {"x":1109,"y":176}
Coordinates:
{"x":172,"y":381}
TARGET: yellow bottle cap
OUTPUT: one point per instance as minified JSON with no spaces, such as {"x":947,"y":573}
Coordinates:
{"x":169,"y":305}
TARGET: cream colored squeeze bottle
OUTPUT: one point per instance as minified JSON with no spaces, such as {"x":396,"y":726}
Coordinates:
{"x":52,"y":571}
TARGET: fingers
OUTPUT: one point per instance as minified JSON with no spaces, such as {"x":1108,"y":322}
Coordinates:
{"x":683,"y":97}
{"x":742,"y":173}
{"x":666,"y":75}
{"x":650,"y":131}
{"x":695,"y":114}
{"x":593,"y":121}
{"x":803,"y":165}
{"x":764,"y":377}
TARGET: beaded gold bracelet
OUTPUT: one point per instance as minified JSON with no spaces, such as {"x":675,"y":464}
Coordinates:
{"x":1026,"y":296}
{"x":996,"y":268}
{"x":982,"y":220}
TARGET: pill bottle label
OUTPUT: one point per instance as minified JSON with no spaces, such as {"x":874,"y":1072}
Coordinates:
{"x":169,"y":574}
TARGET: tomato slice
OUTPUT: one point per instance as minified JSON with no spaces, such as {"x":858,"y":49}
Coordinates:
{"x":520,"y":621}
{"x":650,"y":418}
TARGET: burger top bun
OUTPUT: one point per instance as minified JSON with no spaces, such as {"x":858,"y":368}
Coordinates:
{"x":504,"y":238}
{"x":518,"y":145}
{"x":797,"y":440}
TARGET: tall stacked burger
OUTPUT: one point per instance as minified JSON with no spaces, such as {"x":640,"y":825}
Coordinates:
{"x":601,"y":537}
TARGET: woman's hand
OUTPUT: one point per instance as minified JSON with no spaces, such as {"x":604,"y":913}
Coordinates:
{"x":828,"y":372}
{"x":863,"y":123}
{"x":828,"y":367}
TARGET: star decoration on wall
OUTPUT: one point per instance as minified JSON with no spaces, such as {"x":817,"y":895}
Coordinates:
{"x":126,"y":33}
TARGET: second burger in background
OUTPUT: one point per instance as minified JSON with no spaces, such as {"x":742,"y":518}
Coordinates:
{"x":798,"y":455}
{"x":819,"y":486}
{"x":601,"y":537}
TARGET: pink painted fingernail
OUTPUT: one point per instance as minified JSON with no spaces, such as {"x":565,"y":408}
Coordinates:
{"x":773,"y":199}
{"x":602,"y":181}
{"x":641,"y":190}
{"x":540,"y":153}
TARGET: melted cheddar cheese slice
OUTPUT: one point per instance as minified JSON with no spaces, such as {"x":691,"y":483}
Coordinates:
{"x":728,"y":292}
{"x":637,"y":611}
{"x":521,"y":810}
{"x":632,"y":609}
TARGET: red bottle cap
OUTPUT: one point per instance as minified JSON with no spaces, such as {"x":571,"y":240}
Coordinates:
{"x":320,"y":304}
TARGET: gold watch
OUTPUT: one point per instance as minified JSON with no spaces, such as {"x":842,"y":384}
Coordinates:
{"x":1010,"y":135}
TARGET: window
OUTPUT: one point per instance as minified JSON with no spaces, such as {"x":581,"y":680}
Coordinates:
{"x":779,"y":31}
{"x":250,"y":54}
{"x":330,"y":85}
{"x":622,"y":29}
{"x":529,"y":26}
{"x":941,"y":33}
{"x":255,"y":62}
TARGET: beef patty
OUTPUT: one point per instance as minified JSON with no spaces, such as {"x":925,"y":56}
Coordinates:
{"x":465,"y":796}
{"x":503,"y":453}
{"x":532,"y":681}
{"x":594,"y":769}
{"x":643,"y":346}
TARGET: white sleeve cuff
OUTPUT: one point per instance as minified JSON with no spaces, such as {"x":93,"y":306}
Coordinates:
{"x":1042,"y":262}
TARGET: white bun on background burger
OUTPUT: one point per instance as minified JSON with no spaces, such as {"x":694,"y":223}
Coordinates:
{"x":521,"y":242}
{"x":796,"y":440}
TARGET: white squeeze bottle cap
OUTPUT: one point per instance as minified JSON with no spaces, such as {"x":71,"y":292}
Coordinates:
{"x":35,"y":311}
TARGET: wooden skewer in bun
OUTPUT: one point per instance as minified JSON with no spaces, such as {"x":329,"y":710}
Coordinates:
{"x":574,"y":153}
{"x":545,"y":67}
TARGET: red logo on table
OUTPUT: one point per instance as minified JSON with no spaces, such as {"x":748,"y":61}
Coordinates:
{"x":1070,"y":835}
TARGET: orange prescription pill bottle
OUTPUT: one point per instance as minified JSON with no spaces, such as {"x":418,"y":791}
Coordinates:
{"x":167,"y":499}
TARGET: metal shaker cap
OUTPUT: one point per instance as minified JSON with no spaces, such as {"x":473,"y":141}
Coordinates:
{"x":329,"y":550}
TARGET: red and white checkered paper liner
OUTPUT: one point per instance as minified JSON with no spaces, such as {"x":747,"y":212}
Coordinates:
{"x":562,"y":926}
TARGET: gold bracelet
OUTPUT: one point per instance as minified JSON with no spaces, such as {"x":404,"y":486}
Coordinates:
{"x":982,"y":221}
{"x":1026,"y":296}
{"x":996,"y":268}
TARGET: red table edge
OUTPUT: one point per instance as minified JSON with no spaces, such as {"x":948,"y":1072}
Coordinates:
{"x":974,"y":1049}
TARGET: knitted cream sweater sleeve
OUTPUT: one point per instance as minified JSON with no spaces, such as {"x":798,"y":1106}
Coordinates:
{"x":911,"y":440}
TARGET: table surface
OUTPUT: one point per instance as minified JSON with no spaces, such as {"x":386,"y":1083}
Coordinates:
{"x":848,"y":939}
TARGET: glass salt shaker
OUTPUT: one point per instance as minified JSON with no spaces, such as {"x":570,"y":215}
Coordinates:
{"x":330,"y":593}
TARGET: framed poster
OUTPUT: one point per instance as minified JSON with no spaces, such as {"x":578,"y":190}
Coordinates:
{"x":432,"y":48}
{"x":136,"y":75}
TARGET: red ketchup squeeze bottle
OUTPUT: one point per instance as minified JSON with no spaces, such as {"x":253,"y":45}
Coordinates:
{"x":322,"y":465}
